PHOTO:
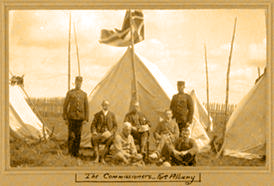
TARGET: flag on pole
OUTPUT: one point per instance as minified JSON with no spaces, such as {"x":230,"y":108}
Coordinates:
{"x":122,"y":38}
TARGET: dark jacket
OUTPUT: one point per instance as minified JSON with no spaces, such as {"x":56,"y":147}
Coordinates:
{"x":76,"y":105}
{"x":101,"y":123}
{"x":182,"y":108}
{"x":136,"y":119}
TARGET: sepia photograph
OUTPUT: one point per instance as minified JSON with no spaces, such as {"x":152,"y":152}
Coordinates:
{"x":138,"y":89}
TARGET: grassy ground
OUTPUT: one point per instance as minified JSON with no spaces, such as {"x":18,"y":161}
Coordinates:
{"x":53,"y":153}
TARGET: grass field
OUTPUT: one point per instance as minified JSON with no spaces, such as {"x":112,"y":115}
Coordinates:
{"x":53,"y":153}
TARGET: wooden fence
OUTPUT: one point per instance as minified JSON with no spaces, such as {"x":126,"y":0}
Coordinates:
{"x":47,"y":107}
{"x":217,"y":112}
{"x":53,"y":107}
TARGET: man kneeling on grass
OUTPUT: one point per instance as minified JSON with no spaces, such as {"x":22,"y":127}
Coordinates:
{"x":124,"y":148}
{"x":182,"y":152}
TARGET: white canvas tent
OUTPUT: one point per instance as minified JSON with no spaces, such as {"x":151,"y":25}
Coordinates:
{"x":22,"y":120}
{"x":245,"y":134}
{"x":154,"y":91}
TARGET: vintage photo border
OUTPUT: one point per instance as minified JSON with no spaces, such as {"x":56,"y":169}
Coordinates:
{"x":69,"y":172}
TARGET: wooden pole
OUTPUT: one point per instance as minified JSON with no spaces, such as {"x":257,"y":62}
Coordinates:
{"x":69,"y":51}
{"x":134,"y":82}
{"x":207,"y":89}
{"x":228,"y":69}
{"x":77,"y":51}
{"x":227,"y":87}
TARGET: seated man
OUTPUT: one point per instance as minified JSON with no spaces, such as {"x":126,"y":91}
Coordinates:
{"x":184,"y":150}
{"x":124,"y":147}
{"x":140,"y":126}
{"x":166,"y":132}
{"x":103,"y":128}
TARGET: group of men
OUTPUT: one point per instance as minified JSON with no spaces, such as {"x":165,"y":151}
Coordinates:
{"x":172,"y":134}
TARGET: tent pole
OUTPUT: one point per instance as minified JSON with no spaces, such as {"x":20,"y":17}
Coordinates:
{"x":69,"y":50}
{"x":77,"y":51}
{"x":207,"y":87}
{"x":134,"y":83}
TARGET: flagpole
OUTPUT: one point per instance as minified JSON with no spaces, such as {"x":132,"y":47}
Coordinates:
{"x":207,"y":86}
{"x":134,"y":88}
{"x":69,"y":51}
{"x":77,"y":51}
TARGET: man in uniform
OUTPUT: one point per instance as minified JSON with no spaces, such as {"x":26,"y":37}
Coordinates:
{"x":166,"y":132}
{"x":103,"y":129}
{"x":182,"y":107}
{"x":75,"y":111}
{"x":140,"y":126}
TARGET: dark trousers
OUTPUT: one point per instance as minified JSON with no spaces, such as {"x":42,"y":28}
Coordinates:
{"x":140,"y":138}
{"x":187,"y":160}
{"x":74,"y":136}
{"x":181,"y":126}
{"x":95,"y":141}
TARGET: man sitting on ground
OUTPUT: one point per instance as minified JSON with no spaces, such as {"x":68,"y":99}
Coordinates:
{"x":103,"y":129}
{"x":184,"y":150}
{"x":124,"y":147}
{"x":166,"y":132}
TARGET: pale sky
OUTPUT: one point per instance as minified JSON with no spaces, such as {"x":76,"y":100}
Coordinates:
{"x":174,"y":41}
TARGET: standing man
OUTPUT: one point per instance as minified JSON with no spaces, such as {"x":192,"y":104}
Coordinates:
{"x":140,"y":126}
{"x":75,"y":111}
{"x":103,"y":129}
{"x":182,"y":107}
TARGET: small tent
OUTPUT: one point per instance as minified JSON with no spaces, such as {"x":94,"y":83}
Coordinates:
{"x":154,"y":92}
{"x":23,"y":122}
{"x":245,"y":134}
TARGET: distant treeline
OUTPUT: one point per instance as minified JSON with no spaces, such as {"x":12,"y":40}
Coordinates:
{"x":53,"y":107}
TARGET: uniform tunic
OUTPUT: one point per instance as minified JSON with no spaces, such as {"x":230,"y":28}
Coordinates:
{"x":76,"y":105}
{"x":168,"y":131}
{"x":75,"y":110}
{"x":167,"y":127}
{"x":182,"y":109}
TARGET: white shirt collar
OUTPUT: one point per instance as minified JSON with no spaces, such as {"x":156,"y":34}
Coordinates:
{"x":105,"y":112}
